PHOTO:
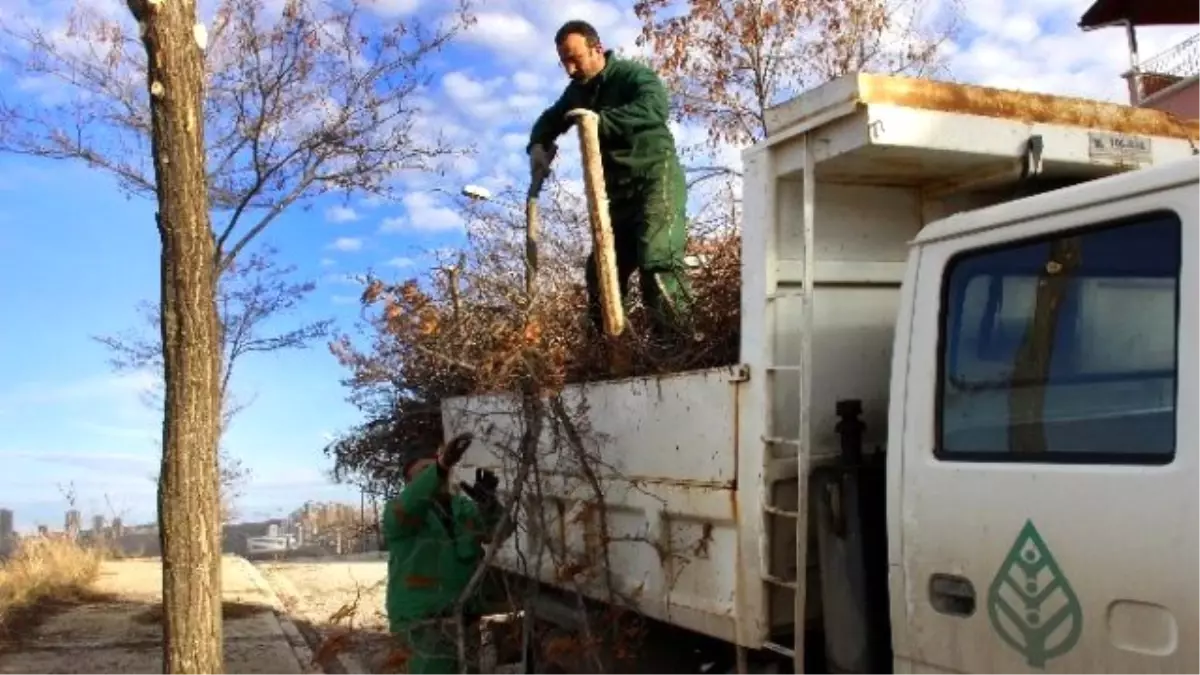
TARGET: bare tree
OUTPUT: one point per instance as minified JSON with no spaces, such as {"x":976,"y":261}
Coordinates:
{"x":227,"y":125}
{"x":728,"y":61}
{"x":314,"y":100}
{"x":253,"y":291}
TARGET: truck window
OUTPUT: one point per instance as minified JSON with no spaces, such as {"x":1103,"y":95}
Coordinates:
{"x":1063,"y":349}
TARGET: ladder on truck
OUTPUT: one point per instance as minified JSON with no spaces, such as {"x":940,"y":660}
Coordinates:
{"x":776,"y":372}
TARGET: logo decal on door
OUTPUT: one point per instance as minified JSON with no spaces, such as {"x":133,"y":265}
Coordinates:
{"x":1031,"y":604}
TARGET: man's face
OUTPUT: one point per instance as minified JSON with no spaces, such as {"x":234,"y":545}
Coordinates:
{"x":581,"y":61}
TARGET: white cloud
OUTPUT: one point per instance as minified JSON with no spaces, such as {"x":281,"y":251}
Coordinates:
{"x":479,"y":99}
{"x":401,"y":262}
{"x":347,"y":244}
{"x":102,"y":387}
{"x":528,"y":105}
{"x":1036,"y":46}
{"x":502,"y":32}
{"x":340,"y":214}
{"x":466,"y":167}
{"x":515,"y":141}
{"x":328,"y":262}
{"x":526,"y":81}
{"x":423,"y":213}
{"x":393,"y":224}
{"x":460,"y":87}
{"x":393,"y":8}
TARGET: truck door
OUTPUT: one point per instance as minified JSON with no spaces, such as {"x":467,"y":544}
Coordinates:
{"x":1049,"y":508}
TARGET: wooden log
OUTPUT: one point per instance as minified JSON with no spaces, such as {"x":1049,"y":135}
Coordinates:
{"x":532,"y":225}
{"x":612,"y":309}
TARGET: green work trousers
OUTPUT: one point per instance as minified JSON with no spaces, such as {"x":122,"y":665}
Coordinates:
{"x":649,"y":223}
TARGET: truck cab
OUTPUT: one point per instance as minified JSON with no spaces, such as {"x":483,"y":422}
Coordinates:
{"x":1042,"y":511}
{"x":952,"y":439}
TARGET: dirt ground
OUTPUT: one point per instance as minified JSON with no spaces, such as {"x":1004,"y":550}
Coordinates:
{"x":332,"y":590}
{"x":342,"y":596}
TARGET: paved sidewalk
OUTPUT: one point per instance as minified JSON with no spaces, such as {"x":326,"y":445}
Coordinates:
{"x":120,"y":632}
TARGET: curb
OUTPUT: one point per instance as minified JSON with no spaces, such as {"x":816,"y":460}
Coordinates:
{"x":300,"y":648}
{"x":350,"y":664}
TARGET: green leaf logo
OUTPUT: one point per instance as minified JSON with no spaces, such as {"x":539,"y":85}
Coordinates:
{"x":1031,"y":604}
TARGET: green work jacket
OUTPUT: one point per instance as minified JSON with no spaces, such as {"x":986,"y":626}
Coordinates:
{"x":632,"y":104}
{"x":431,"y":553}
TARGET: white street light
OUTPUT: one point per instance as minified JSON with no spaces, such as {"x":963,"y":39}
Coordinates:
{"x":476,"y":192}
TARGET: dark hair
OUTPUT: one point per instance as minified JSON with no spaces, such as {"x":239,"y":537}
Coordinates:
{"x":577,"y":27}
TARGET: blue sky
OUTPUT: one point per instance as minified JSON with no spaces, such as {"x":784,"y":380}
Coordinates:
{"x":76,"y":255}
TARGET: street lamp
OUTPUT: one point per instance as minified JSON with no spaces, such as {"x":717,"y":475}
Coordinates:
{"x":476,"y":192}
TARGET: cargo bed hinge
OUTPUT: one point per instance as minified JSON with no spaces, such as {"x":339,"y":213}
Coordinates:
{"x":1031,"y":164}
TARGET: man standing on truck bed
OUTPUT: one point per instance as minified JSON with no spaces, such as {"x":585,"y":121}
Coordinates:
{"x":647,"y":193}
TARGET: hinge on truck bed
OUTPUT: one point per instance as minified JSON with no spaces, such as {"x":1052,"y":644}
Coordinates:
{"x":1031,"y":164}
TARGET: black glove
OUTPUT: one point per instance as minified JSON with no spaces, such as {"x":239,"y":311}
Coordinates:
{"x":450,"y":453}
{"x":484,"y":489}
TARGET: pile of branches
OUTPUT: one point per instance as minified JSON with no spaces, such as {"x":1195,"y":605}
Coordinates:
{"x":466,"y":327}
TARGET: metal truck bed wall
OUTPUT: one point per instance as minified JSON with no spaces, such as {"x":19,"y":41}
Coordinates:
{"x":885,"y":156}
{"x":665,"y":451}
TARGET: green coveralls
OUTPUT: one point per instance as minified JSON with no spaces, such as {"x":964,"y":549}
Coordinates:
{"x":432,"y":553}
{"x":647,"y":192}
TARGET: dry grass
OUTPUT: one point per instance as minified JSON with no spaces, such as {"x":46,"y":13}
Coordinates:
{"x":41,"y":575}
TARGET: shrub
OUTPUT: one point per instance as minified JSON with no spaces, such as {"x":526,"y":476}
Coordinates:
{"x":44,"y":569}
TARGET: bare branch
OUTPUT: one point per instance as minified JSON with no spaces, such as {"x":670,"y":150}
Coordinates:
{"x":318,"y":98}
{"x":728,"y":61}
{"x":253,"y":293}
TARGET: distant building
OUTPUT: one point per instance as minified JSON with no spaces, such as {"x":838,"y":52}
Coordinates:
{"x":6,"y":524}
{"x":117,"y":530}
{"x":43,"y":531}
{"x":97,"y":526}
{"x":71,"y":523}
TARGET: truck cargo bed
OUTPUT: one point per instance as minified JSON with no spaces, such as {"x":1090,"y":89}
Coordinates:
{"x":664,"y":453}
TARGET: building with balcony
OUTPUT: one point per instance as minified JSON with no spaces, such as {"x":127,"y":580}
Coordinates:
{"x":1166,"y":81}
{"x":1169,"y":81}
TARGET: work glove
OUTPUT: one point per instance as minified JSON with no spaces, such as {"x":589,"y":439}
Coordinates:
{"x":484,"y":489}
{"x":540,"y":158}
{"x":454,"y":449}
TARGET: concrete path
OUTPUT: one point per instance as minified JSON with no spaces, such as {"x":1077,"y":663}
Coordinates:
{"x":119,"y":630}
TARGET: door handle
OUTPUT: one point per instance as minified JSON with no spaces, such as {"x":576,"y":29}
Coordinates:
{"x":952,"y":594}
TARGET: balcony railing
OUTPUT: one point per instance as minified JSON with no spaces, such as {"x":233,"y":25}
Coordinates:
{"x":1182,"y":60}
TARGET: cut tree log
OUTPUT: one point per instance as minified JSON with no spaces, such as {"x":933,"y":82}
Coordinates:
{"x":611,"y":306}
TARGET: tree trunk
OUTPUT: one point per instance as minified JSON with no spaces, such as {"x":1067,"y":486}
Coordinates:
{"x":188,"y":490}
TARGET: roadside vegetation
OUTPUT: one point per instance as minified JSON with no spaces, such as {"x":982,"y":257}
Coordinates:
{"x":41,"y":576}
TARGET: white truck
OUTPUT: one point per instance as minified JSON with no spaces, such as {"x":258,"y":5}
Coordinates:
{"x":1003,"y":290}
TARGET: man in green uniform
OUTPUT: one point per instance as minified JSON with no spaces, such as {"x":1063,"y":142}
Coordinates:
{"x":434,"y":541}
{"x":646,"y":189}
